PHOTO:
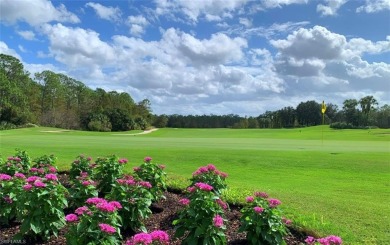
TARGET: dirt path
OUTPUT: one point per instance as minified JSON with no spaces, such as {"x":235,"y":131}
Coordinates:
{"x":144,"y":132}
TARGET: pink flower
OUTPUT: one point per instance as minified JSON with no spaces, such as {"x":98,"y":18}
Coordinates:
{"x":83,"y":174}
{"x":211,"y":167}
{"x":106,"y":207}
{"x":87,"y":182}
{"x":5,"y":177}
{"x":184,"y":201}
{"x":123,"y":161}
{"x":310,"y":240}
{"x":191,"y":189}
{"x":89,"y":158}
{"x":33,"y":170}
{"x":145,"y":184}
{"x":203,"y":186}
{"x":136,"y":169}
{"x":81,"y":210}
{"x":323,"y":241}
{"x":261,"y":194}
{"x":274,"y":202}
{"x":334,"y":240}
{"x":141,"y":238}
{"x":221,"y":203}
{"x":19,"y":175}
{"x":161,"y":166}
{"x":218,"y":221}
{"x":107,"y":228}
{"x":203,"y":169}
{"x":10,"y":158}
{"x":39,"y":184}
{"x":51,"y":177}
{"x":17,"y":159}
{"x":52,"y":170}
{"x":160,"y":236}
{"x":95,"y":200}
{"x":27,"y":187}
{"x":41,"y":170}
{"x":250,"y":199}
{"x":7,"y":199}
{"x":76,"y":161}
{"x":258,"y":209}
{"x":223,"y":175}
{"x":147,"y":159}
{"x":71,"y":218}
{"x":33,"y":179}
{"x":116,"y":204}
{"x":286,"y":221}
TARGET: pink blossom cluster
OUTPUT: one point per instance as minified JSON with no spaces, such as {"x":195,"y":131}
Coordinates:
{"x":258,"y":209}
{"x":51,"y":177}
{"x":107,"y":228}
{"x":71,"y":218}
{"x":204,"y":186}
{"x":42,"y":169}
{"x":329,"y":240}
{"x":7,"y":199}
{"x":38,"y":182}
{"x":222,"y":204}
{"x":19,"y":176}
{"x":261,"y":194}
{"x":123,"y":161}
{"x":104,"y":205}
{"x":129,"y":180}
{"x":218,"y":221}
{"x":155,"y":237}
{"x":249,"y":199}
{"x":147,"y":159}
{"x":185,"y":201}
{"x":286,"y":221}
{"x":274,"y":202}
{"x":83,"y":210}
{"x":210,"y":168}
{"x":5,"y":177}
{"x":17,"y":159}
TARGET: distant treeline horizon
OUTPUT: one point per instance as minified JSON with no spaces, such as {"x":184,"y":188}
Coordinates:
{"x":57,"y":100}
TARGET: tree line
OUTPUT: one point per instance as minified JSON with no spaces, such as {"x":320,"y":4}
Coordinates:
{"x":57,"y":100}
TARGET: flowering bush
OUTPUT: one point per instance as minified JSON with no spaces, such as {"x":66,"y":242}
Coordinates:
{"x":262,"y":220}
{"x":329,"y":240}
{"x":135,"y":198}
{"x":81,"y":165}
{"x":82,"y":188}
{"x":155,"y":238}
{"x":201,"y":217}
{"x":10,"y":188}
{"x":107,"y":171}
{"x":42,"y":203}
{"x":20,"y":162}
{"x":154,"y":174}
{"x":44,"y":165}
{"x":97,"y":222}
{"x":211,"y":175}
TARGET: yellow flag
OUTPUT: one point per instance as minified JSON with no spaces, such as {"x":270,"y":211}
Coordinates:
{"x":323,"y":107}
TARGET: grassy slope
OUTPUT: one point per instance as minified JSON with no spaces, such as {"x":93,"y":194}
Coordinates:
{"x":337,"y":185}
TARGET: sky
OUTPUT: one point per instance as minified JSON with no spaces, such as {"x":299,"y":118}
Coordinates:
{"x":216,"y":57}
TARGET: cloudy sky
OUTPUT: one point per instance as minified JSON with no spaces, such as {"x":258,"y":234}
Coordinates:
{"x":208,"y":56}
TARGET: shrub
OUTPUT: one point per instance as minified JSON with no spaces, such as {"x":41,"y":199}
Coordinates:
{"x":10,"y":188}
{"x":136,"y":198}
{"x":82,"y":188}
{"x":19,"y":163}
{"x":82,"y":164}
{"x":44,"y":165}
{"x":262,"y":221}
{"x":201,"y":221}
{"x":107,"y":171}
{"x":211,"y":175}
{"x":97,"y":222}
{"x":154,"y":174}
{"x":42,"y":203}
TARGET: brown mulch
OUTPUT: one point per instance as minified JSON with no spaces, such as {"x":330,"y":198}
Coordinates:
{"x":164,"y":212}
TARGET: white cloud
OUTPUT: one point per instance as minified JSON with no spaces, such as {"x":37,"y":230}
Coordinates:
{"x":373,"y":6}
{"x":245,"y":22}
{"x":28,"y":35}
{"x":359,"y":46}
{"x":107,"y":13}
{"x":280,"y":3}
{"x":34,"y":12}
{"x":22,"y":49}
{"x":210,"y":9}
{"x":4,"y":49}
{"x":137,"y":24}
{"x":331,"y":7}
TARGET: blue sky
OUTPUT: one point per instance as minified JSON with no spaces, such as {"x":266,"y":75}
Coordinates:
{"x":208,"y":56}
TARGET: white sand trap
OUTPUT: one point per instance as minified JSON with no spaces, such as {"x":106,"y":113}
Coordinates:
{"x":55,"y":131}
{"x":144,"y":132}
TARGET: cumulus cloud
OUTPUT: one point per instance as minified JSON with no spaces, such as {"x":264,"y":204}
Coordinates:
{"x":280,"y":3}
{"x":28,"y":35}
{"x":137,"y":24}
{"x":34,"y":12}
{"x":331,"y":7}
{"x":106,"y":13}
{"x":4,"y":49}
{"x":373,"y":6}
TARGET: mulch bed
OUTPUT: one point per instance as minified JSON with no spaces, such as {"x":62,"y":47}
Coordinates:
{"x":164,"y":212}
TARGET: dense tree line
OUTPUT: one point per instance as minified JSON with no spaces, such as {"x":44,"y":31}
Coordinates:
{"x":52,"y":99}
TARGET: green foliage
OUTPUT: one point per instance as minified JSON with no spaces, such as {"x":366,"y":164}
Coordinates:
{"x":81,"y":165}
{"x":10,"y":191}
{"x":155,"y":175}
{"x":107,"y":171}
{"x":19,"y":163}
{"x":201,"y":221}
{"x":82,"y":188}
{"x":44,"y":165}
{"x":42,"y":203}
{"x":262,"y":221}
{"x":98,"y":222}
{"x":210,"y":175}
{"x":136,"y":198}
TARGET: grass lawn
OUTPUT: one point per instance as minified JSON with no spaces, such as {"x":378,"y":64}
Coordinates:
{"x":332,"y":181}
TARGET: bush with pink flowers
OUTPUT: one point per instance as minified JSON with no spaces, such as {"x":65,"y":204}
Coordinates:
{"x":19,"y":163}
{"x":262,"y":220}
{"x":10,"y":189}
{"x":97,"y":222}
{"x":82,"y":164}
{"x":211,"y":175}
{"x":108,"y":169}
{"x":82,"y":188}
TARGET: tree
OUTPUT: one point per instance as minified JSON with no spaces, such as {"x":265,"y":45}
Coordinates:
{"x":366,"y":104}
{"x":309,"y":113}
{"x":351,"y":112}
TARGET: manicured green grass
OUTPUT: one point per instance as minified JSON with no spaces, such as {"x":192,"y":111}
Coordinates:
{"x":331,"y":181}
